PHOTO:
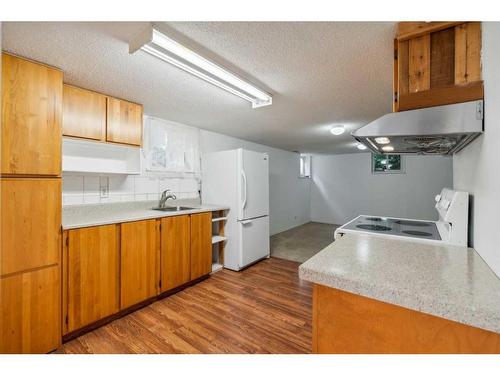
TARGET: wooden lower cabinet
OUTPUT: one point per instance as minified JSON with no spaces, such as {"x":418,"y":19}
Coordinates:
{"x":92,"y":272}
{"x":30,"y":223}
{"x":175,"y":258}
{"x":346,"y":323}
{"x":112,"y":267}
{"x":138,"y":260}
{"x":201,"y":244}
{"x":30,"y":314}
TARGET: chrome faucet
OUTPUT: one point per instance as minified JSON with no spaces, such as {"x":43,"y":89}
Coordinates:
{"x":164,"y":197}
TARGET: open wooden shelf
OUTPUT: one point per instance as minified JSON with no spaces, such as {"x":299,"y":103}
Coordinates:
{"x":216,"y":267}
{"x":217,"y":239}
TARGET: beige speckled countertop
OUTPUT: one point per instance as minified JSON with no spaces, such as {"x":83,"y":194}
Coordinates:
{"x":446,"y":281}
{"x":80,"y":216}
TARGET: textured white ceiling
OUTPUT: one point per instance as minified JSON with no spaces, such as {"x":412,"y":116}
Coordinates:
{"x":319,"y":74}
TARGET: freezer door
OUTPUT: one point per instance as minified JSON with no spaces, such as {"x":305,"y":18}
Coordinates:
{"x":253,"y":184}
{"x":254,"y":240}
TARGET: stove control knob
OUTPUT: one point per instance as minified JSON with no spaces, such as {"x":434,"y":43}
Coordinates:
{"x":438,"y":198}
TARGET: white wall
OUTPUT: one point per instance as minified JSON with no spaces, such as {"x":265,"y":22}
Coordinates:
{"x":344,"y":187}
{"x":289,"y":196}
{"x":475,"y":168}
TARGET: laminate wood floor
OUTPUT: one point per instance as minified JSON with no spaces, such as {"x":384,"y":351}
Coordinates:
{"x":263,"y":309}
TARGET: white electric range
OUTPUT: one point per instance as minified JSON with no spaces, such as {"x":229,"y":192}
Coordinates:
{"x":451,"y":227}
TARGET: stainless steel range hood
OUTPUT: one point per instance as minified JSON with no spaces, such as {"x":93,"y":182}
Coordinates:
{"x":440,"y":130}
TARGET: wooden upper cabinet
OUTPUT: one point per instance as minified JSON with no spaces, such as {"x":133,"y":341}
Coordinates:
{"x":201,"y":244}
{"x":138,"y":261}
{"x":30,"y":223}
{"x":30,"y":311}
{"x":436,"y":63}
{"x":124,"y":122}
{"x":92,"y":273}
{"x":175,"y":252}
{"x":31,"y":117}
{"x":84,"y":113}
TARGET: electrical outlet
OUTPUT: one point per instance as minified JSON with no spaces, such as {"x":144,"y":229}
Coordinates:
{"x":104,"y":187}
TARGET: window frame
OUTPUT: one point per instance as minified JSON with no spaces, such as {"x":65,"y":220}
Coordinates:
{"x":308,"y":158}
{"x":402,"y":170}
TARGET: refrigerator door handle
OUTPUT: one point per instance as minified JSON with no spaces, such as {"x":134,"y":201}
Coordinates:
{"x":245,"y":222}
{"x":243,"y":175}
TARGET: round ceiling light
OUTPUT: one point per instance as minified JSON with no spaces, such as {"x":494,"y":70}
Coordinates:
{"x":382,"y":140}
{"x":388,"y":148}
{"x":337,"y":130}
{"x":361,"y":147}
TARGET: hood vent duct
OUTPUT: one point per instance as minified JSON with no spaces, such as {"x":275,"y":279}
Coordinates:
{"x":442,"y":130}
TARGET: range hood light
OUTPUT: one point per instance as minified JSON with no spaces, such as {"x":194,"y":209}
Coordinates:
{"x":337,"y":130}
{"x":361,"y":147}
{"x":161,"y":46}
{"x":388,"y":148}
{"x":382,"y":140}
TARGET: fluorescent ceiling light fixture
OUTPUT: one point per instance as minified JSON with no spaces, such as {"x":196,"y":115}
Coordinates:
{"x":382,"y":140}
{"x":166,"y":49}
{"x":388,"y":148}
{"x":337,"y":130}
{"x":361,"y":147}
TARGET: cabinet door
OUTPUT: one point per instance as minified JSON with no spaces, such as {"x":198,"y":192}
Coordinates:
{"x":84,"y":113}
{"x":124,"y":122}
{"x":201,"y":244}
{"x":31,"y":118}
{"x":30,"y":223}
{"x":30,"y":311}
{"x":138,"y":262}
{"x":175,"y":251}
{"x":92,"y":273}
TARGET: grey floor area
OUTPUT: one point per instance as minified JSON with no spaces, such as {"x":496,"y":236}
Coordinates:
{"x":302,"y":242}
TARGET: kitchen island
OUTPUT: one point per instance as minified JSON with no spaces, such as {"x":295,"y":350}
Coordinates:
{"x":380,"y":295}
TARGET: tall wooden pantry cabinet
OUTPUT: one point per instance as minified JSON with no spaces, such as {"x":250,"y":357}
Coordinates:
{"x":30,"y":206}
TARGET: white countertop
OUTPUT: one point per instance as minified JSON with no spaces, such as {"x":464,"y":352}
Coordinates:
{"x":447,"y":281}
{"x":80,"y":216}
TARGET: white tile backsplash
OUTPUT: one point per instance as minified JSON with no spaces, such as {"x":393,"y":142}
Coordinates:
{"x":172,"y":184}
{"x":121,"y":185}
{"x":145,"y":185}
{"x":84,"y":189}
{"x":91,"y":185}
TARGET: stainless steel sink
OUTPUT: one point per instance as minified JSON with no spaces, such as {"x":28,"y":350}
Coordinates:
{"x":172,"y":209}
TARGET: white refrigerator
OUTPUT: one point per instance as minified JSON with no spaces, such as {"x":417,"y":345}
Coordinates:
{"x":239,"y":179}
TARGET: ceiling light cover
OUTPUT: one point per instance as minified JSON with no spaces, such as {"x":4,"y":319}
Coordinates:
{"x":388,"y":148}
{"x":337,"y":130}
{"x":166,"y":49}
{"x":382,"y":140}
{"x":361,"y":147}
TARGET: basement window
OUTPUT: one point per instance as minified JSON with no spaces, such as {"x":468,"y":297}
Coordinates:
{"x":305,"y":166}
{"x":385,"y":164}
